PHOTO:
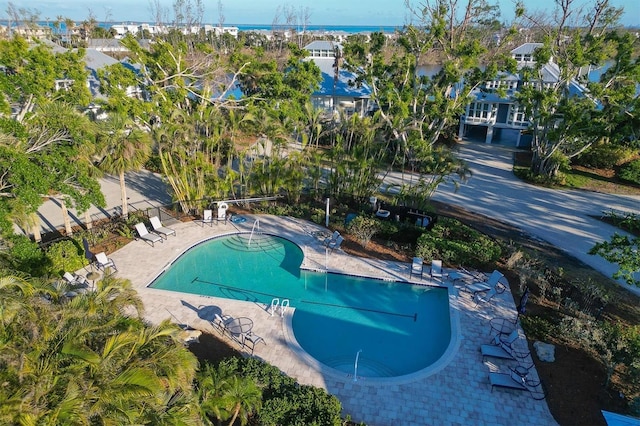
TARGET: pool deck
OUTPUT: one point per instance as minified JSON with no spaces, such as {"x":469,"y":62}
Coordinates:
{"x":456,"y":391}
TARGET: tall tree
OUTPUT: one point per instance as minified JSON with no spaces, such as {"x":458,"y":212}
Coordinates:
{"x":124,"y":148}
{"x":570,"y":114}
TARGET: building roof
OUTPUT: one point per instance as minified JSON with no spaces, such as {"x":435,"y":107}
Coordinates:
{"x":526,"y":48}
{"x":344,"y":86}
{"x":96,"y":60}
{"x":322,"y":45}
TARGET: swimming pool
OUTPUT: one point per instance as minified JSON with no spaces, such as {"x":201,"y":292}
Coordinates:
{"x":399,"y":328}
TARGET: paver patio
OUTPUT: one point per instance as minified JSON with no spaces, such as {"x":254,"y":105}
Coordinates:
{"x":455,"y":391}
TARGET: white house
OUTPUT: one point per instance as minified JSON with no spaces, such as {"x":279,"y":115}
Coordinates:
{"x":338,"y":89}
{"x":499,"y":118}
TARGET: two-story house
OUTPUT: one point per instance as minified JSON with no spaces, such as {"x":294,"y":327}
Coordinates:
{"x":494,"y":114}
{"x":338,"y":91}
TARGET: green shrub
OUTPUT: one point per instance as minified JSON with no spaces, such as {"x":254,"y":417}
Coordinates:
{"x":457,"y":244}
{"x":363,"y":228}
{"x":284,"y":401}
{"x":26,"y":256}
{"x":66,"y":255}
{"x":603,"y":156}
{"x":630,"y":172}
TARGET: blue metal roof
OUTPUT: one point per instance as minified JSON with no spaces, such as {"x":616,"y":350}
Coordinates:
{"x":344,"y":86}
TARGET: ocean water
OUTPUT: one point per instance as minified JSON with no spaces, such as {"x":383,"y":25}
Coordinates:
{"x":350,"y":29}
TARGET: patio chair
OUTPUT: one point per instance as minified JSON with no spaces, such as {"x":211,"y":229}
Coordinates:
{"x":482,"y":286}
{"x":252,"y":340}
{"x":207,"y":217}
{"x":417,"y":267}
{"x":159,"y":228}
{"x":220,"y":322}
{"x":222,"y":212}
{"x":334,"y":245}
{"x":145,"y":235}
{"x":332,"y":238}
{"x":507,"y":339}
{"x":103,"y":262}
{"x":436,"y":270}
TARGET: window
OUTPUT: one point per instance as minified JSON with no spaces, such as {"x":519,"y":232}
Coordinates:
{"x":480,"y":110}
{"x":517,"y":117}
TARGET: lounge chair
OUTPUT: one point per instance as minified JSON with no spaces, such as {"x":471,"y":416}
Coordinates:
{"x":511,"y":380}
{"x":486,"y":297}
{"x":482,"y":286}
{"x":159,"y":229}
{"x":147,"y":236}
{"x":436,"y":270}
{"x":207,"y":217}
{"x":497,"y":351}
{"x":503,"y":351}
{"x":334,"y":245}
{"x":417,"y":267}
{"x":75,"y":279}
{"x":103,"y":262}
{"x":332,"y":238}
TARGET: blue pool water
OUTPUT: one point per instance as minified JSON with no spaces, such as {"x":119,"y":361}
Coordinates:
{"x":400,"y":328}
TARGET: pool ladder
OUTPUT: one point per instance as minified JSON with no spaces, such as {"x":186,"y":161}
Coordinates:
{"x":275,"y":305}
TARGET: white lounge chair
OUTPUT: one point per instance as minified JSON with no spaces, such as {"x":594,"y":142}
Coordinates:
{"x":436,"y":270}
{"x":147,"y":236}
{"x":417,"y":267}
{"x":482,"y":286}
{"x":103,"y":262}
{"x":75,"y":279}
{"x":159,"y":229}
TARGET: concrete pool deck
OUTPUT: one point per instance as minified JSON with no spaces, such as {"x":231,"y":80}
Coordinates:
{"x":454,"y":392}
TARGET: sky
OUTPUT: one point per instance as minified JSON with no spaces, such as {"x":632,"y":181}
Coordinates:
{"x":324,"y":12}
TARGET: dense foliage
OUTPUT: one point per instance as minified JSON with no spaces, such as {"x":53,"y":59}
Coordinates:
{"x":457,"y":244}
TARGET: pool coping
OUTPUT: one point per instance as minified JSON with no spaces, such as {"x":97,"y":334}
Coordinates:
{"x":458,"y":394}
{"x":442,"y":361}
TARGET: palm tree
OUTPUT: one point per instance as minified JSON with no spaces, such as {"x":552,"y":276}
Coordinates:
{"x":125,"y":148}
{"x":242,"y":398}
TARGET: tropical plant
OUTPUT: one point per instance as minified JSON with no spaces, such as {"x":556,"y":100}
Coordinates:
{"x":622,"y":250}
{"x":124,"y":147}
{"x":363,"y":228}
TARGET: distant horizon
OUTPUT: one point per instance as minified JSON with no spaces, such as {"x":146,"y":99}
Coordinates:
{"x":367,"y":13}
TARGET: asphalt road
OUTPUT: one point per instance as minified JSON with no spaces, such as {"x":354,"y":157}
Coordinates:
{"x":562,"y":218}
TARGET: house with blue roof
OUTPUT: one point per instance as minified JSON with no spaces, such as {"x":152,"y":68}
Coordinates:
{"x":494,"y":113}
{"x":338,"y":90}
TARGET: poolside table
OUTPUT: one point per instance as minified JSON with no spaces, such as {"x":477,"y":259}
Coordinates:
{"x":239,"y":327}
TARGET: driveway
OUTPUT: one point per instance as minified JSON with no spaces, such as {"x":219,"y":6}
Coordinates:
{"x":566,"y":219}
